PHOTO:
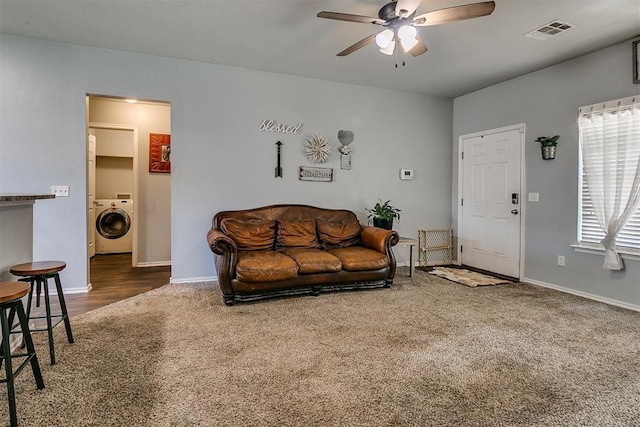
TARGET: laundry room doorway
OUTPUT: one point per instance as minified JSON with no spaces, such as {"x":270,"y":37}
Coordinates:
{"x":128,"y":188}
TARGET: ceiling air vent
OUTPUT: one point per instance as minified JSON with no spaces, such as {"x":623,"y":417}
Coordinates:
{"x":549,"y":30}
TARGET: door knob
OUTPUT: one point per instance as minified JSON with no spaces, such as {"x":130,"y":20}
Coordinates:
{"x":514,"y":211}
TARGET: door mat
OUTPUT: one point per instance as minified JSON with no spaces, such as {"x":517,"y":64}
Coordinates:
{"x":467,"y":277}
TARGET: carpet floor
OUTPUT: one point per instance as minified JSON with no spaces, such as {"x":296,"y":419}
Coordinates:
{"x":424,"y":353}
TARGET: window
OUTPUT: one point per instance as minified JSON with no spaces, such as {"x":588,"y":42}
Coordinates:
{"x":609,"y":180}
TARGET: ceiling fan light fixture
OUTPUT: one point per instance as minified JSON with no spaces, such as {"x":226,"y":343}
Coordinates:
{"x":389,"y":49}
{"x":384,"y":39}
{"x":408,"y":32}
{"x":407,"y":35}
{"x":408,"y":44}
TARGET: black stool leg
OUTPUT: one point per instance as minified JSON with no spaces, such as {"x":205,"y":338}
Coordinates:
{"x":31,"y":350}
{"x":6,"y":352}
{"x":32,"y":283}
{"x":47,"y":306}
{"x":39,"y":282}
{"x":12,"y":313}
{"x":63,"y":307}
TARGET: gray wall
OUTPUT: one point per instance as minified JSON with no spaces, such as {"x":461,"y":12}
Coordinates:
{"x":547,"y":102}
{"x":219,"y":158}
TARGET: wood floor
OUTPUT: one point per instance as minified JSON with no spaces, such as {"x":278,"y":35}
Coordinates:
{"x":113,"y":279}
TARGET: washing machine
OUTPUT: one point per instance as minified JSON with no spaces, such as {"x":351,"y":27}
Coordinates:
{"x":114,"y":226}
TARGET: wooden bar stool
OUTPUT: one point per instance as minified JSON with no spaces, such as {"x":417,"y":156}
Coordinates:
{"x":38,"y":274}
{"x":10,"y":294}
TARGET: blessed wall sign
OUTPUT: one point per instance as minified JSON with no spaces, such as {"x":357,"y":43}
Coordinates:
{"x":273,"y":126}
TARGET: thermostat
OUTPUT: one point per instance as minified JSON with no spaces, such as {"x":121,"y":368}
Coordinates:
{"x":406,"y":174}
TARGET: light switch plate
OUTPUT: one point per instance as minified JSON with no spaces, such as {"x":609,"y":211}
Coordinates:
{"x":534,"y":197}
{"x":60,"y":190}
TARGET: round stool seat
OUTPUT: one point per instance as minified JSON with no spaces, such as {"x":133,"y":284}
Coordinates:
{"x":10,"y":291}
{"x":37,"y":268}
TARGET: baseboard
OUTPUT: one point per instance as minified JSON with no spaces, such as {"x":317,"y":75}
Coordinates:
{"x":194,"y":280}
{"x":584,"y":294}
{"x":69,"y":291}
{"x":154,"y":264}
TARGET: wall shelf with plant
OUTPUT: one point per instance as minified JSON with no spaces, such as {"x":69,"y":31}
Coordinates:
{"x":548,"y":146}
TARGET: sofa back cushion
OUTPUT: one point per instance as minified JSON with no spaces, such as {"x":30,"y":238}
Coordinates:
{"x":339,"y":234}
{"x":250,"y":235}
{"x":284,"y":213}
{"x":297,"y":234}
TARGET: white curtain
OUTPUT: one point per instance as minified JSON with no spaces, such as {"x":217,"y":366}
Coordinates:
{"x":610,"y":144}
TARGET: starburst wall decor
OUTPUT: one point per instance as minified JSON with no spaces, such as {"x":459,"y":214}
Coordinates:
{"x":317,"y":148}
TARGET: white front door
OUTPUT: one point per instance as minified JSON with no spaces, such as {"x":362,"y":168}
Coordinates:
{"x":490,"y":205}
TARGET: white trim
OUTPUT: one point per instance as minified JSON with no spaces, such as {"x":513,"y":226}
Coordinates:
{"x":194,"y":280}
{"x":69,"y":291}
{"x":519,"y":127}
{"x":154,"y":264}
{"x":134,"y":129}
{"x":595,"y":250}
{"x":584,"y":294}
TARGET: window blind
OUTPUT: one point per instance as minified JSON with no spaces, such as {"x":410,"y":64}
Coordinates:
{"x":626,"y":113}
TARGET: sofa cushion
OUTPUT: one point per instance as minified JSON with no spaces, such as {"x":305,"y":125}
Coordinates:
{"x":265,"y":266}
{"x":314,"y":260}
{"x":357,"y":258}
{"x":339,"y":234}
{"x":250,"y":235}
{"x":297,"y":234}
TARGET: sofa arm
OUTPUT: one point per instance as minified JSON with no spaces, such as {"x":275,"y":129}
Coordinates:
{"x":379,"y":239}
{"x":225,"y":258}
{"x":220,"y":242}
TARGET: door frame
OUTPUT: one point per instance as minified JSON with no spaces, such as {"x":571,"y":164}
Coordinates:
{"x":134,"y":227}
{"x":522,"y":129}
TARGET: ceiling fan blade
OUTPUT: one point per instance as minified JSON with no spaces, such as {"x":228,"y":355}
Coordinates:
{"x":405,"y":8}
{"x":359,"y":45}
{"x":452,"y":14}
{"x":418,"y":49}
{"x":351,"y":18}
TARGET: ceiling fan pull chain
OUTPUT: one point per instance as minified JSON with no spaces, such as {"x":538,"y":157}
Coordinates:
{"x":397,"y":52}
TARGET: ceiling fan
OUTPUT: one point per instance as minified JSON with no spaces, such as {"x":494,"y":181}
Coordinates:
{"x":399,"y":19}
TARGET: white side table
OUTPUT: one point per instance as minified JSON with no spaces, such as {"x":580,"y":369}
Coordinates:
{"x":407,"y":241}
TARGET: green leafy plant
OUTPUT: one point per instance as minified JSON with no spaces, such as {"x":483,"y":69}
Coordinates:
{"x":548,"y":141}
{"x":384,"y":211}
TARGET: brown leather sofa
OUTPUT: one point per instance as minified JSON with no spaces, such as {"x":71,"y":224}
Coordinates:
{"x":297,"y":249}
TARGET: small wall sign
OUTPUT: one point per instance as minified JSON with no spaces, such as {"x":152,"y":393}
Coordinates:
{"x":308,"y":173}
{"x":273,"y":126}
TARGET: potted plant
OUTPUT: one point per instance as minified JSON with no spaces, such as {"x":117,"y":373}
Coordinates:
{"x":548,"y":146}
{"x":383,"y":214}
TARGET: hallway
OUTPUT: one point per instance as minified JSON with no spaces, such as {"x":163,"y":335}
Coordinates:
{"x":113,"y":279}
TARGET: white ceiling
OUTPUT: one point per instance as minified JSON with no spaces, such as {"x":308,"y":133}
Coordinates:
{"x":285,"y":36}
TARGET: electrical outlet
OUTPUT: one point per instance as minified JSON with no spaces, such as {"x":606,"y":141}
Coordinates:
{"x":60,"y":190}
{"x":534,"y":197}
{"x":561,"y":260}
